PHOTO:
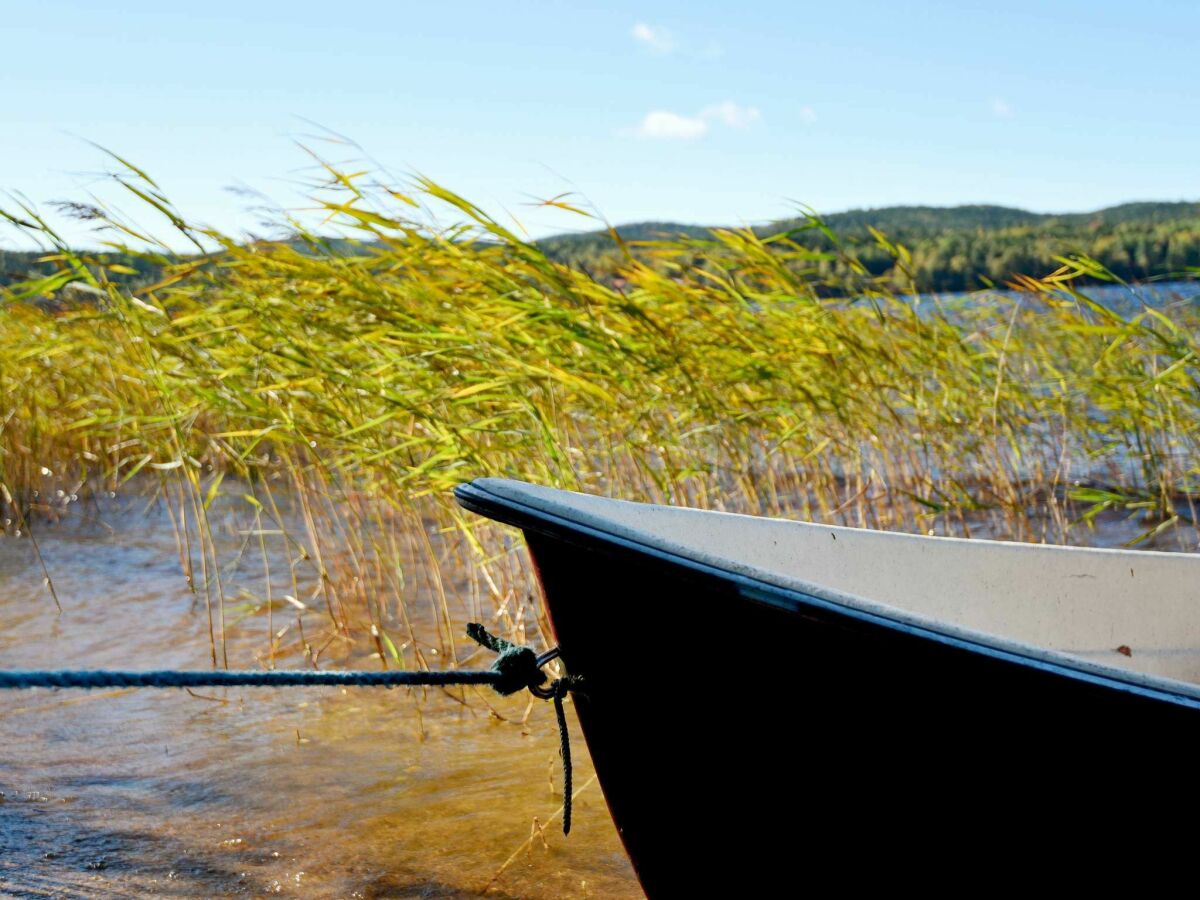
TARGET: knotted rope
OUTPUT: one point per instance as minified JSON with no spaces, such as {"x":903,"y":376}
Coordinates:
{"x":518,"y":665}
{"x":515,"y":668}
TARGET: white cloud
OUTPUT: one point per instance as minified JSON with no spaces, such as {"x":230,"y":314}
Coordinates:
{"x":657,"y":39}
{"x":671,"y":126}
{"x":664,"y":125}
{"x":1001,"y":109}
{"x":729,"y":113}
{"x":808,"y":115}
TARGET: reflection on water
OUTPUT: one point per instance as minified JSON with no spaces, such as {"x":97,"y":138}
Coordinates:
{"x":354,"y":792}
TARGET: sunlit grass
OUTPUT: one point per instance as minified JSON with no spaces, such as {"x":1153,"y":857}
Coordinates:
{"x":337,"y":389}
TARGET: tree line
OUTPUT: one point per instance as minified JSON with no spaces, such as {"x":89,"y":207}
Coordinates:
{"x":951,"y":248}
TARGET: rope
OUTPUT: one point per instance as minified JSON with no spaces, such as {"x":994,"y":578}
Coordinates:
{"x":515,"y":668}
{"x":560,"y":688}
{"x":183,"y":679}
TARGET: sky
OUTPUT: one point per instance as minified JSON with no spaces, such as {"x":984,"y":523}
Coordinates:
{"x":700,"y":112}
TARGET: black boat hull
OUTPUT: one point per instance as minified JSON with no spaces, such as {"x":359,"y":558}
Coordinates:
{"x":748,"y":738}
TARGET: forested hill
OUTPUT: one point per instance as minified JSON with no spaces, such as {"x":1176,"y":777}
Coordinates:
{"x":962,"y":247}
{"x":955,"y":248}
{"x":937,"y":219}
{"x":26,"y":266}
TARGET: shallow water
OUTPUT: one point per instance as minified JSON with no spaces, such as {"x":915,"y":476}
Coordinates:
{"x":322,"y":792}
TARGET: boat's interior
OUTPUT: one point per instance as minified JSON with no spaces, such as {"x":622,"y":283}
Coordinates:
{"x":1136,"y":610}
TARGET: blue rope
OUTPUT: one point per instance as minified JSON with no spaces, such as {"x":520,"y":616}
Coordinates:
{"x":515,"y":668}
{"x":106,"y":678}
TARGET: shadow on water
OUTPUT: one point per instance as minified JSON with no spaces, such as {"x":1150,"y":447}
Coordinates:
{"x":45,"y":850}
{"x":125,"y":862}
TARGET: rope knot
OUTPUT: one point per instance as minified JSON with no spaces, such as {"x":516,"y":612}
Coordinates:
{"x":516,"y":665}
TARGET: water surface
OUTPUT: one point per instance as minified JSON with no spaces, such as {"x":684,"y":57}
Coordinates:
{"x":321,"y":792}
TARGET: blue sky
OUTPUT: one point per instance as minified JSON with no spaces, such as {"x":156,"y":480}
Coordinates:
{"x":708,"y":112}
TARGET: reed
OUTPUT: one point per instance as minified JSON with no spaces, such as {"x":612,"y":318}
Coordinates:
{"x":333,"y":390}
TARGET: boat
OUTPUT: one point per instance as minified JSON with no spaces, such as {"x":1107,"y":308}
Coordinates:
{"x":774,"y":705}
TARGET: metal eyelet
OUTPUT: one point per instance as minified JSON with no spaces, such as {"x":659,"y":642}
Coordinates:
{"x":545,"y":692}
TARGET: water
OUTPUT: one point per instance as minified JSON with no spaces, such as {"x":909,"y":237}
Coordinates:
{"x":1123,"y":300}
{"x":315,"y":792}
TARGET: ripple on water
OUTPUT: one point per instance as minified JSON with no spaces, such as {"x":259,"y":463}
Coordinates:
{"x":311,"y":792}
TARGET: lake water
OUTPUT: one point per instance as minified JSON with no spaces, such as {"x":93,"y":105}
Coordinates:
{"x":1123,"y":299}
{"x":315,"y":792}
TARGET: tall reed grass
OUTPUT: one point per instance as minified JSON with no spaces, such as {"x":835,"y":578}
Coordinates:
{"x":336,"y":389}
